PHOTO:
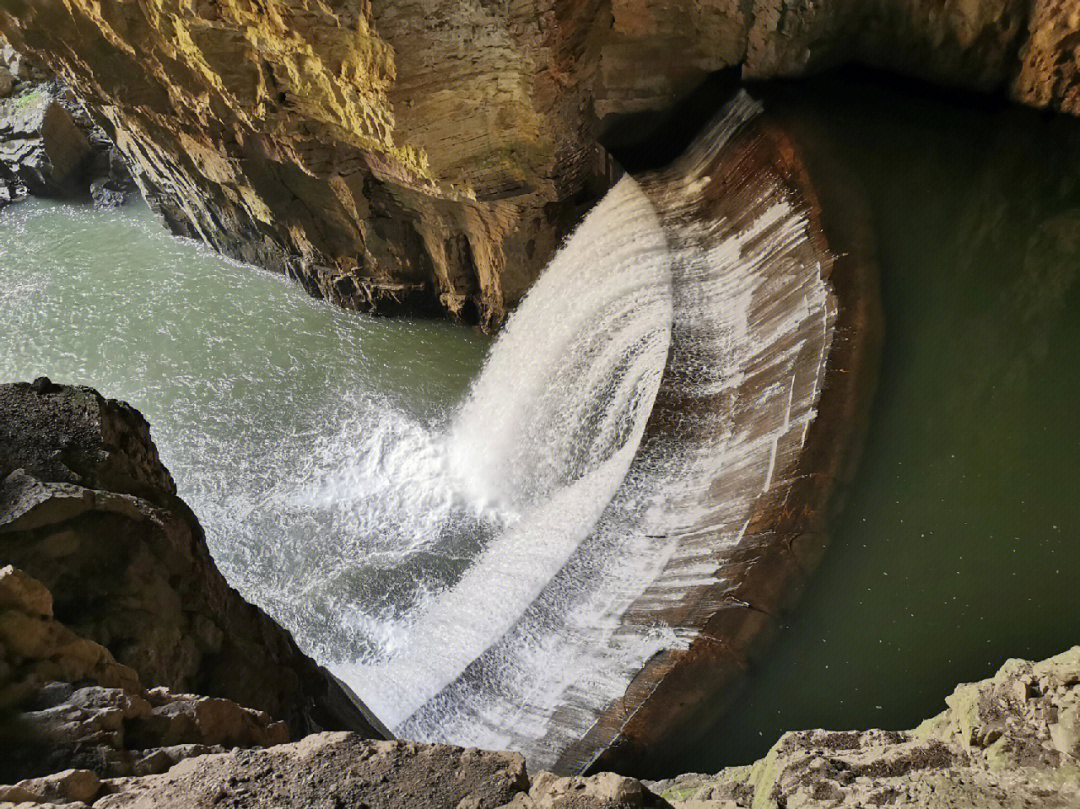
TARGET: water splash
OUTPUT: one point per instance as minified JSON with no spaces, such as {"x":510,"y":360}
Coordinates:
{"x":545,"y":438}
{"x":751,"y":324}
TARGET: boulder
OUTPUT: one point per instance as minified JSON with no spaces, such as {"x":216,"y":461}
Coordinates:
{"x":107,"y":194}
{"x":7,"y":82}
{"x":68,"y":786}
{"x":87,"y":509}
{"x":40,"y":145}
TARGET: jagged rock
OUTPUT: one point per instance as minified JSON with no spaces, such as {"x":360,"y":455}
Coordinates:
{"x":1050,"y":60}
{"x":29,"y":81}
{"x":1009,"y":741}
{"x":40,"y":145}
{"x":68,"y":786}
{"x":106,"y":194}
{"x":87,"y":508}
{"x":37,"y":649}
{"x":21,"y":68}
{"x":1005,"y":742}
{"x":76,"y":705}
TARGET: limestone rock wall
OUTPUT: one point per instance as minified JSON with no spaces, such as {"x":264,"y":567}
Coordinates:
{"x":87,"y":508}
{"x":389,"y":156}
{"x":424,"y":155}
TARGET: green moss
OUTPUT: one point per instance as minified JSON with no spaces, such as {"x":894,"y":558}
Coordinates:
{"x":684,"y":794}
{"x":28,"y":99}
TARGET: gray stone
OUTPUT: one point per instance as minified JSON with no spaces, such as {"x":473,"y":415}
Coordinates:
{"x":40,"y":145}
{"x":80,"y":472}
{"x":1003,"y":743}
{"x":342,"y":769}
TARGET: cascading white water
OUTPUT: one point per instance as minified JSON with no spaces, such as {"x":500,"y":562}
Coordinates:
{"x":602,"y":525}
{"x":544,"y":440}
{"x":571,"y":599}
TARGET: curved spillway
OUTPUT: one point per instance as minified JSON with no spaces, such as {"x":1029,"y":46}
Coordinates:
{"x":643,"y":413}
{"x":574,"y":556}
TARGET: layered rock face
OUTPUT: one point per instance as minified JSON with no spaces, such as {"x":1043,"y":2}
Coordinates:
{"x":397,"y":155}
{"x":388,"y":156}
{"x":87,"y":509}
{"x":40,"y":145}
{"x":74,"y":706}
{"x":49,"y":145}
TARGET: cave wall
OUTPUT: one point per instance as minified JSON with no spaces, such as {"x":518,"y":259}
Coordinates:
{"x":427,"y":155}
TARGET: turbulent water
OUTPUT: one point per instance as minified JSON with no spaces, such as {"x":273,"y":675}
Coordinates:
{"x":348,"y":482}
{"x":306,"y":438}
{"x":542,"y":443}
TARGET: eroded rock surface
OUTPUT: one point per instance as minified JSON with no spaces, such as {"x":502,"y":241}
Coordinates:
{"x":427,"y":155}
{"x":87,"y":508}
{"x":66,"y":702}
{"x":1010,"y":741}
{"x":341,"y":769}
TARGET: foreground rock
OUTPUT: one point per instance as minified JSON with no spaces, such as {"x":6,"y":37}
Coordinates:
{"x":391,"y":155}
{"x":76,"y":707}
{"x":87,"y":509}
{"x":1010,"y":741}
{"x":342,"y":769}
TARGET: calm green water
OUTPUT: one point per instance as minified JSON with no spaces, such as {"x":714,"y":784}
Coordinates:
{"x":271,"y":409}
{"x":960,"y":543}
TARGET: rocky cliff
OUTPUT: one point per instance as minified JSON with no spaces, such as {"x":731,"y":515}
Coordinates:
{"x":428,"y":154}
{"x":88,"y":513}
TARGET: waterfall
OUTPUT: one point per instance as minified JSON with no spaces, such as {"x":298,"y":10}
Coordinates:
{"x":653,"y":387}
{"x":493,"y":566}
{"x":544,"y":440}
